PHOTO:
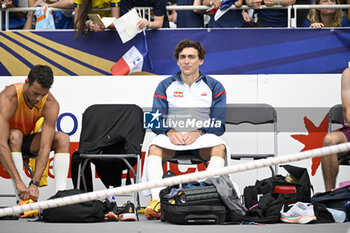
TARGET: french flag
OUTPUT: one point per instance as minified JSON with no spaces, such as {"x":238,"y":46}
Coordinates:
{"x":136,"y":59}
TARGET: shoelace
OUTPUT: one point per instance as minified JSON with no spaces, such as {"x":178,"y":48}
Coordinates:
{"x":154,"y":208}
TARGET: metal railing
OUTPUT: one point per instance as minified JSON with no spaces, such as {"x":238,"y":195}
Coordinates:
{"x":145,"y":11}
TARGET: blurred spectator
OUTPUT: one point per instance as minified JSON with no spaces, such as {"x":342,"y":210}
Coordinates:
{"x":326,"y":17}
{"x":248,"y":17}
{"x":347,"y":11}
{"x":172,"y":14}
{"x":16,"y":19}
{"x":189,"y":18}
{"x":63,"y":19}
{"x":159,"y":9}
{"x":273,"y":17}
{"x":302,"y":13}
{"x":232,"y":18}
{"x":83,"y":7}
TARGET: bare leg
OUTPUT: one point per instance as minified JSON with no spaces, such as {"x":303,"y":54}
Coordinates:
{"x":219,"y":151}
{"x":330,"y":166}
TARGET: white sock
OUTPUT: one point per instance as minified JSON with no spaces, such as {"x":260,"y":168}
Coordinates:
{"x":18,"y":161}
{"x":154,"y":172}
{"x":216,"y":162}
{"x":60,"y":168}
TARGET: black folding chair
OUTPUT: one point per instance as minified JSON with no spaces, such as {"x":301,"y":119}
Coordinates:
{"x":111,"y":138}
{"x":255,"y":114}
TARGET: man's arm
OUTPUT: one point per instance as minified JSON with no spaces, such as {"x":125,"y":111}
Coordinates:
{"x":29,"y":21}
{"x":8,"y":106}
{"x":115,"y":11}
{"x":198,"y":3}
{"x":215,"y":3}
{"x":218,"y":110}
{"x":50,"y":114}
{"x":279,"y":2}
{"x":345,"y":94}
{"x":66,"y":4}
{"x":160,"y":104}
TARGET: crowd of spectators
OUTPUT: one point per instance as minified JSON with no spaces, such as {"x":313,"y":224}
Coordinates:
{"x":74,"y":14}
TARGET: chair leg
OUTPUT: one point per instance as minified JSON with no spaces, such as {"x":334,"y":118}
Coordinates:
{"x":79,"y":174}
{"x":136,"y":196}
{"x":28,"y":168}
{"x":272,"y":171}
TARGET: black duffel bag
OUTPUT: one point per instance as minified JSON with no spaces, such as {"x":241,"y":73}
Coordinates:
{"x":90,"y":211}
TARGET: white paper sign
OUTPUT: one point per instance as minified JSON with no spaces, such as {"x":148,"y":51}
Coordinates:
{"x":126,"y":25}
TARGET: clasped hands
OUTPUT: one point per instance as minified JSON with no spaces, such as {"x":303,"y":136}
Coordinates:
{"x":178,"y":138}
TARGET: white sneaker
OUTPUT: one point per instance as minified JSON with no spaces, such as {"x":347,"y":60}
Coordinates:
{"x":299,"y":213}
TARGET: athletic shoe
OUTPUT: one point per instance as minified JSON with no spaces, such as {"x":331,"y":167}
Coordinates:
{"x":127,"y":212}
{"x":30,"y":213}
{"x":299,"y":213}
{"x":152,"y":211}
{"x":111,"y":216}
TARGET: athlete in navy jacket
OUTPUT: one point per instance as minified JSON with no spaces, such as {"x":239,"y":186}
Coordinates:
{"x":191,"y":107}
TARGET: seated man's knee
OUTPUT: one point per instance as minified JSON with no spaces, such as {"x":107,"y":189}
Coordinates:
{"x":219,"y":150}
{"x":155,"y":150}
{"x":61,"y":141}
{"x":15,"y":139}
{"x":331,"y":139}
{"x":161,"y":152}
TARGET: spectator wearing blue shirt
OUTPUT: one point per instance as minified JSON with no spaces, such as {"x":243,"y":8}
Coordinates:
{"x":326,"y":17}
{"x":232,"y":18}
{"x":159,"y":10}
{"x":188,"y":18}
{"x":63,"y":19}
{"x":271,"y":17}
{"x":16,"y":19}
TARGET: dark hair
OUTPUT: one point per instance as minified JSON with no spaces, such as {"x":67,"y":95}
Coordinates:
{"x":79,"y":25}
{"x":189,"y":44}
{"x":42,"y":74}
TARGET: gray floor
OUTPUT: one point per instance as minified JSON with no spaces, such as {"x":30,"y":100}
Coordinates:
{"x":144,"y":225}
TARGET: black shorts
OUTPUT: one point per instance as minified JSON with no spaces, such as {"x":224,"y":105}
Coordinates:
{"x":186,"y":152}
{"x":27,"y":141}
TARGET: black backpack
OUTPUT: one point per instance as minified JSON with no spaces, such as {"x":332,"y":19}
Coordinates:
{"x":90,"y":211}
{"x":278,"y":184}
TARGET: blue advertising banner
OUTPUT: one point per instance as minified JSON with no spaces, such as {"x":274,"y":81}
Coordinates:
{"x":229,"y":51}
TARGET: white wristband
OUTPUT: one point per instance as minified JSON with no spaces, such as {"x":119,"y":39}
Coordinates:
{"x":211,"y":2}
{"x":87,"y":23}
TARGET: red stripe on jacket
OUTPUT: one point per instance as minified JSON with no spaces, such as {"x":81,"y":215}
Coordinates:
{"x":160,"y":96}
{"x":220,"y":93}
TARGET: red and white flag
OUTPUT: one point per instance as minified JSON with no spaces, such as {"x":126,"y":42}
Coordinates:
{"x":136,"y":59}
